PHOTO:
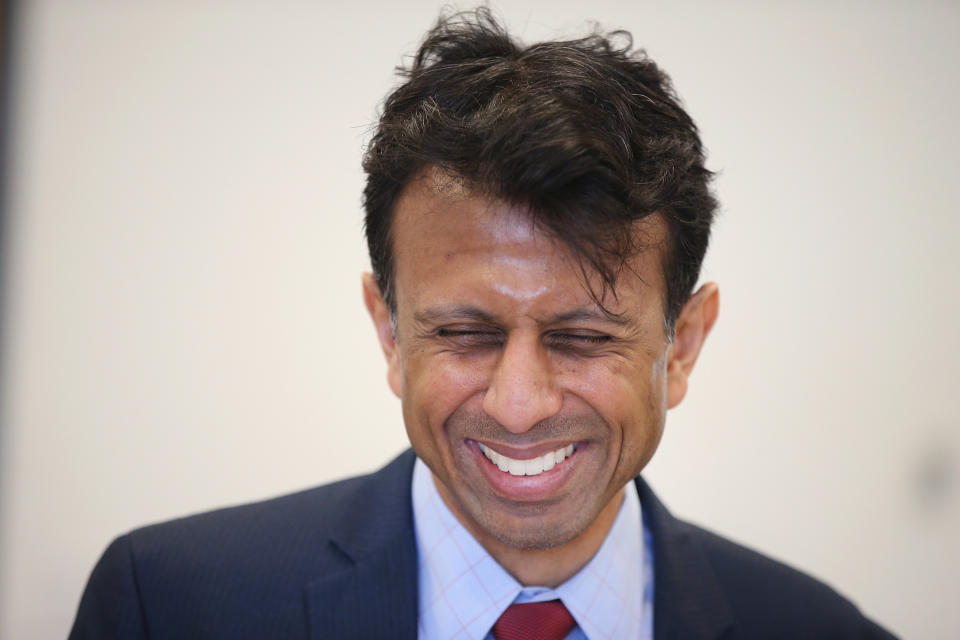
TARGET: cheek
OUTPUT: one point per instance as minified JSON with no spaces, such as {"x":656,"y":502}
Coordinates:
{"x":630,"y":396}
{"x":644,"y":437}
{"x":435,"y":387}
{"x":619,"y":391}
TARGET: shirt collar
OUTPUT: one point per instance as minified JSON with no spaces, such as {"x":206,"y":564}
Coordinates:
{"x":463,"y":590}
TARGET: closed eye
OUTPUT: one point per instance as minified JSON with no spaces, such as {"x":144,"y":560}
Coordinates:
{"x":470,"y":335}
{"x":481,"y":336}
{"x":447,"y":333}
{"x":579,"y":339}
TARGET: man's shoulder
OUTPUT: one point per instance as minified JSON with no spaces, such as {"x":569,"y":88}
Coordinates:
{"x":769,"y":598}
{"x":244,"y":571}
{"x":290,"y":522}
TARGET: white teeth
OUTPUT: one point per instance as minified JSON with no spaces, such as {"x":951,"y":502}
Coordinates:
{"x":532,"y":467}
{"x":502,"y":462}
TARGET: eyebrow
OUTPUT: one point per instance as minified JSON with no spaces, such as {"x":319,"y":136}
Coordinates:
{"x":453,"y":312}
{"x":589,"y":313}
{"x":467,"y":312}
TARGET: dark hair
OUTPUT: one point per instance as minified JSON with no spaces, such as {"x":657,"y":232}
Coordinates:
{"x":587,"y":134}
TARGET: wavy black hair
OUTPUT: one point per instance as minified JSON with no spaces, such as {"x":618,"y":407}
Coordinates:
{"x":588,"y":135}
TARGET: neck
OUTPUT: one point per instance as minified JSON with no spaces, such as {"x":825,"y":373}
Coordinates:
{"x":543,"y":567}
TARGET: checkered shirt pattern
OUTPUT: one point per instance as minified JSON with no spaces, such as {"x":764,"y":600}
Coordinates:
{"x":463,"y":590}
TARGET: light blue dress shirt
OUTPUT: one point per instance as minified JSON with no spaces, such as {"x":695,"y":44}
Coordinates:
{"x":463,"y":590}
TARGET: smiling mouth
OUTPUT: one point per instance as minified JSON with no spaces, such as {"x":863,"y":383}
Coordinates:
{"x":531,"y":467}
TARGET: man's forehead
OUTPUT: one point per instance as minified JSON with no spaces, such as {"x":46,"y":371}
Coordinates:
{"x":436,"y":206}
{"x":433,"y":193}
{"x":441,"y":213}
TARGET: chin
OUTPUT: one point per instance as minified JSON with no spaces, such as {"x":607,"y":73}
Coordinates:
{"x":534,"y":540}
{"x":536,"y":532}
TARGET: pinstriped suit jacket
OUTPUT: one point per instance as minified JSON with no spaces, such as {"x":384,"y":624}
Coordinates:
{"x":339,"y":561}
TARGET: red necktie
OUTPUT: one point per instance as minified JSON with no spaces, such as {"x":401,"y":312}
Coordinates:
{"x":534,"y":621}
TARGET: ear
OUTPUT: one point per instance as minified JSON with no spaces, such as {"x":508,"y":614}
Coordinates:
{"x":693,"y":326}
{"x":381,"y":322}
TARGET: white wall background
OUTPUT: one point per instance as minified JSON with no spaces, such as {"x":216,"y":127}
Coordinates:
{"x":184,"y":327}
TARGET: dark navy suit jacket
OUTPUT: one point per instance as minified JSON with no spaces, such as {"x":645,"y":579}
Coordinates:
{"x":340,"y":561}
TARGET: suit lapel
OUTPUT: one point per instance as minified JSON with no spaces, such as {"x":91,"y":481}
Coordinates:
{"x":689,"y":603}
{"x":369,"y":588}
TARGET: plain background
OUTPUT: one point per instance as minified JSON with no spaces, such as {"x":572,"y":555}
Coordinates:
{"x":184,"y":327}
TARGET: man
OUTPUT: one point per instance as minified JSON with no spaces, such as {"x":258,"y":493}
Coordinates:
{"x":536,"y":219}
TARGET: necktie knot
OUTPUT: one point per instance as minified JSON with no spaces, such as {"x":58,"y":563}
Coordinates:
{"x":534,"y":621}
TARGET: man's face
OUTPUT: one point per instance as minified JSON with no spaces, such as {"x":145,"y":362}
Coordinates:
{"x":503,"y":360}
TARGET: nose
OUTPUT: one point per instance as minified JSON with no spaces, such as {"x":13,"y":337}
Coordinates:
{"x":522,"y":390}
